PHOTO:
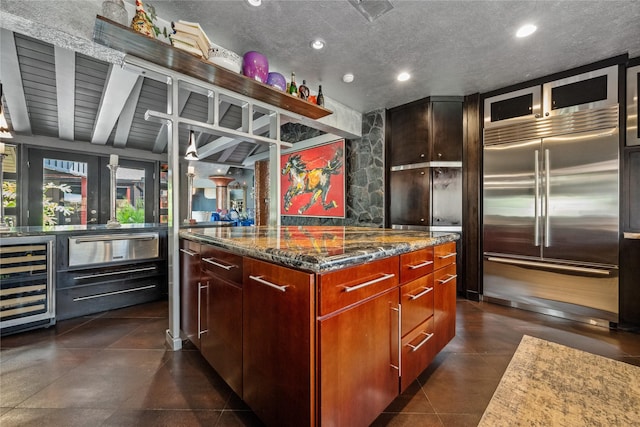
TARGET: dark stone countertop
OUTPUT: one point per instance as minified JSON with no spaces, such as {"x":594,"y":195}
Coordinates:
{"x":63,"y":229}
{"x":317,"y":248}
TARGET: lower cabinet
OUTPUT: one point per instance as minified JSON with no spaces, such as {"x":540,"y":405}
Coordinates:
{"x":221,"y":344}
{"x":278,"y":342}
{"x":331,"y":349}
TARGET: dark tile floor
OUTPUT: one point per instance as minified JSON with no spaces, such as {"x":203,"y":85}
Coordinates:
{"x":112,"y":369}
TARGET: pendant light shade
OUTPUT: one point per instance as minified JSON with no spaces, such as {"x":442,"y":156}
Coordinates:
{"x":192,"y":152}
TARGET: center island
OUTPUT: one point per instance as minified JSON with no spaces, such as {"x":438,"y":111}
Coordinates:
{"x":317,"y":325}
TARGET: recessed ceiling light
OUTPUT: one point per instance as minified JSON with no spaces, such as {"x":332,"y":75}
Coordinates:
{"x":526,"y":30}
{"x":317,"y":44}
{"x":347,"y":78}
{"x":404,"y":76}
{"x":254,"y":3}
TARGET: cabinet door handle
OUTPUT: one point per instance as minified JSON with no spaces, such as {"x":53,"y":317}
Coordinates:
{"x":259,"y":279}
{"x":188,"y":252}
{"x":200,"y":288}
{"x":422,"y":264}
{"x":369,"y":283}
{"x":217,"y":264}
{"x":426,"y":291}
{"x":448,"y":255}
{"x":448,"y":279}
{"x":421,"y":343}
{"x":397,"y":367}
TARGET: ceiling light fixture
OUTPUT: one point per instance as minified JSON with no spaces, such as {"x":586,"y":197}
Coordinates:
{"x":192,"y":151}
{"x":317,"y":44}
{"x":254,"y":3}
{"x":404,"y":76}
{"x":348,"y":78}
{"x":526,"y":30}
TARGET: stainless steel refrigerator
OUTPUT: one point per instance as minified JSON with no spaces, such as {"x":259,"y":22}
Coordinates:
{"x":551,"y":215}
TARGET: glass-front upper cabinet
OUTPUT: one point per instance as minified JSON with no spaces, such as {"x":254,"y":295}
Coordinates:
{"x":594,"y":89}
{"x":633,"y":105}
{"x":512,"y":107}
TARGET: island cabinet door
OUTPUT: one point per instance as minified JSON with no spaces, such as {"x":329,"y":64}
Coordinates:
{"x":191,"y":291}
{"x":278,"y":366}
{"x":221,"y":346}
{"x":444,"y":311}
{"x":358,"y":362}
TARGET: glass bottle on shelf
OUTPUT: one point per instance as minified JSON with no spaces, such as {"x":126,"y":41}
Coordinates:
{"x":293,"y":89}
{"x":303,"y":90}
{"x":320,"y":98}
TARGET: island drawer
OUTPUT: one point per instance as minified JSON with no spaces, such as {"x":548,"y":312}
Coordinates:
{"x":415,"y":264}
{"x":444,"y":255}
{"x":416,"y":298}
{"x":339,"y":289}
{"x":222,"y":263}
{"x":418,"y":350}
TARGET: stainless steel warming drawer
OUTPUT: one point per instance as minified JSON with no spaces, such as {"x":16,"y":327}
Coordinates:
{"x":103,"y":248}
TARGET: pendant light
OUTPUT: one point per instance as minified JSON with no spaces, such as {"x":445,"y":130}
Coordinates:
{"x":192,"y":151}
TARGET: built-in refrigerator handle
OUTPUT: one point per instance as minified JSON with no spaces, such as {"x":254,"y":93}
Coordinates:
{"x":547,"y":228}
{"x":536,"y":203}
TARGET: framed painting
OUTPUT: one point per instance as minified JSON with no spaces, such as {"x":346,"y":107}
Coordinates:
{"x":312,"y":181}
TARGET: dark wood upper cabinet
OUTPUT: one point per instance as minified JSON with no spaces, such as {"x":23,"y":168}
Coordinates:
{"x":427,"y":130}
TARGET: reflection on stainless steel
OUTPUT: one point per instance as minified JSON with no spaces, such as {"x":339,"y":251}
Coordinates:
{"x":633,"y":105}
{"x":100,"y":249}
{"x":551,"y":202}
{"x":446,"y":196}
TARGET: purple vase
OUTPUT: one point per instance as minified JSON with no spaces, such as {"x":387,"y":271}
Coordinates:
{"x":277,"y":80}
{"x":255,"y":66}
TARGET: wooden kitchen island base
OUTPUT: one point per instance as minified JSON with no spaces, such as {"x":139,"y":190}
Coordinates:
{"x":318,"y":326}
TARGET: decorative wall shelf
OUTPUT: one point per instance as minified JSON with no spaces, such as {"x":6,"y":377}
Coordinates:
{"x":124,"y":39}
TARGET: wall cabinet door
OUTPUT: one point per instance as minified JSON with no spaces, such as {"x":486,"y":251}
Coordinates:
{"x":409,"y":133}
{"x":277,"y":343}
{"x":446,"y":131}
{"x":358,"y":362}
{"x":190,"y":291}
{"x":409,"y":197}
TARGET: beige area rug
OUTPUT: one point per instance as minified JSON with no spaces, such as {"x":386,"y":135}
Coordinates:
{"x":548,"y":384}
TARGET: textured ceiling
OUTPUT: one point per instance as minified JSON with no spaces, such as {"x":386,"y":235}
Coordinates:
{"x":449,"y":47}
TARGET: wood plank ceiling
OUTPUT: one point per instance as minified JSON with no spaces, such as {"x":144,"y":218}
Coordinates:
{"x":63,"y":94}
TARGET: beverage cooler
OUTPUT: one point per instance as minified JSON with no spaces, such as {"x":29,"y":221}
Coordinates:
{"x":26,"y":283}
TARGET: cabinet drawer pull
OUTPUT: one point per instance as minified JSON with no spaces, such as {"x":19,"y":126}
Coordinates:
{"x":259,"y":279}
{"x":369,"y":283}
{"x":217,"y":264}
{"x":448,"y":279}
{"x":424,"y":292}
{"x":448,"y":255}
{"x":422,"y":264}
{"x":188,"y":252}
{"x":106,"y":294}
{"x":421,"y":343}
{"x":111,"y":273}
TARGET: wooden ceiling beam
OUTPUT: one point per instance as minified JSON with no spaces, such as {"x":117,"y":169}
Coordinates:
{"x":12,"y":84}
{"x":126,"y":117}
{"x":118,"y":87}
{"x":65,"y":63}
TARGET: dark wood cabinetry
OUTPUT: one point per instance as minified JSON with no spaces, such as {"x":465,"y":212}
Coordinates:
{"x":409,"y":197}
{"x":426,"y":130}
